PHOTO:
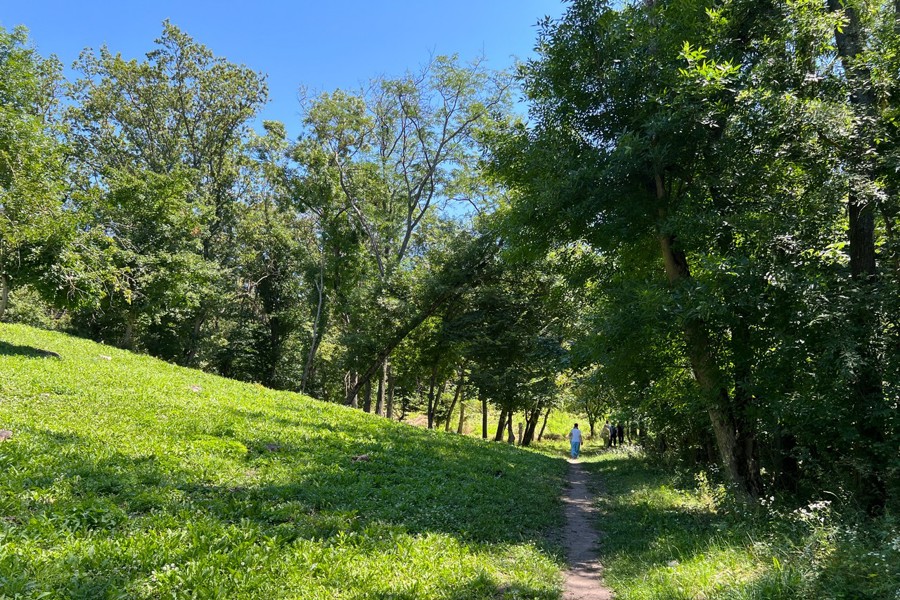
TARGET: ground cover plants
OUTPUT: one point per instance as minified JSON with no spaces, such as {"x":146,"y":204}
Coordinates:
{"x":127,"y":477}
{"x":672,"y":537}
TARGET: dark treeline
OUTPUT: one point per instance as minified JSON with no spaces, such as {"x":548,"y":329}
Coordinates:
{"x":695,"y":231}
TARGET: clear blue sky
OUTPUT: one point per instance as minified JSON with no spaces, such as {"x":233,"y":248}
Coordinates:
{"x":320,"y":44}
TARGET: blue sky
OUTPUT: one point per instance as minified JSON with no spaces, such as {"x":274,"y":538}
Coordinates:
{"x":322,"y":45}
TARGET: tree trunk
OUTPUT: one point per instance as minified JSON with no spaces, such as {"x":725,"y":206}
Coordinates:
{"x":350,"y":381}
{"x":382,"y":386}
{"x":527,"y":436}
{"x":866,"y":393}
{"x":484,"y":415}
{"x":367,"y":402}
{"x":462,"y":416}
{"x":316,"y":334}
{"x":194,"y":344}
{"x":510,"y":436}
{"x":4,"y":294}
{"x":433,"y":397}
{"x":501,"y":425}
{"x":128,"y":336}
{"x":744,"y":401}
{"x":390,"y":394}
{"x":705,"y":369}
{"x":450,"y":292}
{"x":544,"y":425}
{"x":456,"y":394}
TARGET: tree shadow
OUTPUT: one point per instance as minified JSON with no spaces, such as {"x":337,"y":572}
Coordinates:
{"x":7,"y":349}
{"x":417,"y":486}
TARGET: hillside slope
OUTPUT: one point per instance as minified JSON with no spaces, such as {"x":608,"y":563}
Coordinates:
{"x":127,"y":477}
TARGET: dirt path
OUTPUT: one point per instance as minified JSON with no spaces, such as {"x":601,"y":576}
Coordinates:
{"x":583,"y":579}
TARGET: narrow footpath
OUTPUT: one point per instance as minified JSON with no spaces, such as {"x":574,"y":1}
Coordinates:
{"x":583,"y":580}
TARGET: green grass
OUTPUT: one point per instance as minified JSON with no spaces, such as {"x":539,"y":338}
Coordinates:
{"x":127,"y":477}
{"x":666,"y":540}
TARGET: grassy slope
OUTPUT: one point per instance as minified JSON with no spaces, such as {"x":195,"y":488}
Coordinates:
{"x":133,"y":478}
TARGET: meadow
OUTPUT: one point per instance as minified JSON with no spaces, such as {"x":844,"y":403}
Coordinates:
{"x":127,"y":477}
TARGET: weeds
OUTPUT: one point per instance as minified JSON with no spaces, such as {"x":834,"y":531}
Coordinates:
{"x":665,"y":540}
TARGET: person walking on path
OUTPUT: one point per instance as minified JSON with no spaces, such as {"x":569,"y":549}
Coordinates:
{"x":575,"y":440}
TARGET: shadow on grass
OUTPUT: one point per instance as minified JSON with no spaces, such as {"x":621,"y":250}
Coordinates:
{"x":7,"y":349}
{"x":670,"y":549}
{"x":289,"y":485}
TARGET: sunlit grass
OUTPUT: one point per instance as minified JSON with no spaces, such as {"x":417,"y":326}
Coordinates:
{"x":127,"y":477}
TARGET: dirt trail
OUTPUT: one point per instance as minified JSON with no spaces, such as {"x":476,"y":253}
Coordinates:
{"x":583,"y":579}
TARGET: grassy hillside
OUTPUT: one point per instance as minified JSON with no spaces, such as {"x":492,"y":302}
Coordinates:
{"x":126,"y":477}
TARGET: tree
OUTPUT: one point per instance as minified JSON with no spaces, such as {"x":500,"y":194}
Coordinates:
{"x":395,"y":152}
{"x":166,"y":134}
{"x":696,"y":128}
{"x":33,"y":223}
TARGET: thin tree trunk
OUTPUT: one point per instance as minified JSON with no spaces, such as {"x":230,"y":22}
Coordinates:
{"x":747,"y":445}
{"x":501,"y":424}
{"x":390,"y":394}
{"x":382,"y":387}
{"x":437,"y":400}
{"x":462,"y":416}
{"x":431,"y":387}
{"x":510,"y":436}
{"x":484,"y":414}
{"x":4,"y":294}
{"x":456,"y":394}
{"x":544,"y":424}
{"x":316,"y":335}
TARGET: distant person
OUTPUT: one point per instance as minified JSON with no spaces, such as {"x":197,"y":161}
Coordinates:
{"x":620,"y":433}
{"x":575,"y":440}
{"x":611,"y":436}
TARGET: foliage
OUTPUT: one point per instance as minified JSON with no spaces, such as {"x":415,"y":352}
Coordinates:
{"x":33,"y":224}
{"x":704,"y":152}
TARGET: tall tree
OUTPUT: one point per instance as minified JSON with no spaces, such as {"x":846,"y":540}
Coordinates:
{"x":168,"y":133}
{"x":398,"y":151}
{"x":32,"y":220}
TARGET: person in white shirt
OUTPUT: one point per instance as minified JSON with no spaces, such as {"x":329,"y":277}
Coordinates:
{"x":575,"y":439}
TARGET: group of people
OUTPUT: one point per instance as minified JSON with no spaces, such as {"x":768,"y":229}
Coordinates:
{"x":615,"y":437}
{"x":616,"y":432}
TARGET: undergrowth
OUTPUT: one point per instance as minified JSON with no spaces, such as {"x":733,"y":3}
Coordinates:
{"x":666,"y":540}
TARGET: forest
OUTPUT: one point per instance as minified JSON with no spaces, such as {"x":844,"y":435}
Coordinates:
{"x":693,"y":230}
